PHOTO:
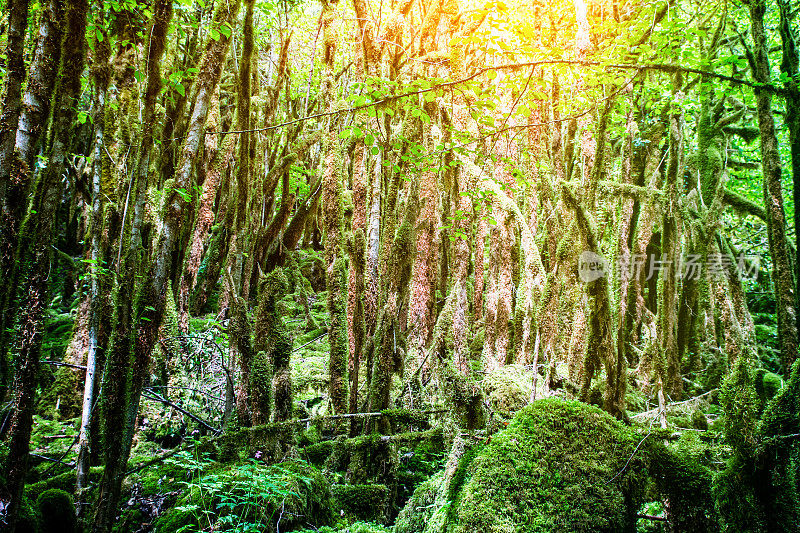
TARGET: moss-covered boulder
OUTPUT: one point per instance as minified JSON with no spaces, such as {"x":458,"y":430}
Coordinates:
{"x":560,"y":466}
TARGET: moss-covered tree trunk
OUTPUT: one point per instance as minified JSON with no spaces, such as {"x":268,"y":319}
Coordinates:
{"x":139,"y":323}
{"x":790,"y":65}
{"x":33,"y":119}
{"x":773,"y":195}
{"x":101,"y":71}
{"x":35,"y":245}
{"x":332,"y":222}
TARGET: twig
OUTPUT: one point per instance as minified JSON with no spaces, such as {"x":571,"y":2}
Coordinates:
{"x":57,"y":363}
{"x":149,"y":393}
{"x":673,"y":404}
{"x":50,"y":459}
{"x":309,"y":342}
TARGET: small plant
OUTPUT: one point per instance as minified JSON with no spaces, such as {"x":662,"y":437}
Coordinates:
{"x":247,"y":497}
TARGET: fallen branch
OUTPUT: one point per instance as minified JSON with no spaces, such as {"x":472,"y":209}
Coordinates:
{"x":276,"y":425}
{"x":57,"y":363}
{"x":309,"y":342}
{"x":51,"y":460}
{"x":673,"y":404}
{"x":652,"y":517}
{"x":149,"y":393}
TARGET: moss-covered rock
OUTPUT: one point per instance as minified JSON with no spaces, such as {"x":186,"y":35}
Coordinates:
{"x":57,"y":510}
{"x":65,"y":482}
{"x":560,"y":466}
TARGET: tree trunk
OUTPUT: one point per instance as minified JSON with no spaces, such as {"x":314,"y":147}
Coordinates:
{"x":33,"y":118}
{"x":773,"y":195}
{"x":102,"y":77}
{"x":790,"y":65}
{"x":36,"y":236}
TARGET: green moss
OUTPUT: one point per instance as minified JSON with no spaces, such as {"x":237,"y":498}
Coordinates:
{"x":734,"y":488}
{"x":559,"y":466}
{"x":778,"y":457}
{"x":362,"y":502}
{"x":508,"y":389}
{"x":28,"y":517}
{"x":405,"y":417}
{"x":683,"y":476}
{"x":317,"y":454}
{"x":57,"y":510}
{"x":414,"y":517}
{"x":356,"y":527}
{"x":65,"y":391}
{"x":65,"y":482}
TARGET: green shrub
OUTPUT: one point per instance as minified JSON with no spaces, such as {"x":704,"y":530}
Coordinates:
{"x":683,"y":477}
{"x":249,"y":497}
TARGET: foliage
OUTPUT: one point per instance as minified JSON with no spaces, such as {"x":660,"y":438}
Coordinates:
{"x":248,"y":497}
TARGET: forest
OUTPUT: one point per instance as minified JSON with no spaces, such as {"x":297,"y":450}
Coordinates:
{"x":408,"y":266}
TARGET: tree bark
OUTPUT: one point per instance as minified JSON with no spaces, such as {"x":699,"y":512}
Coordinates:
{"x":36,"y":236}
{"x":773,"y":195}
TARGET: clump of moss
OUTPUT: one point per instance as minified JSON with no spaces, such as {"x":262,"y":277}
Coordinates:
{"x":361,"y":502}
{"x":57,"y":510}
{"x":559,"y":466}
{"x":683,"y":476}
{"x":507,"y":389}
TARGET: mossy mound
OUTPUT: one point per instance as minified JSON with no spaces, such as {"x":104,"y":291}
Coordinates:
{"x":508,"y":389}
{"x":361,"y":502}
{"x":57,"y":510}
{"x":560,"y":466}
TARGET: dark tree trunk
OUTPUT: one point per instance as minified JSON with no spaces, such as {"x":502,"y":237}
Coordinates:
{"x":773,"y":195}
{"x":35,"y":250}
{"x":33,"y":117}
